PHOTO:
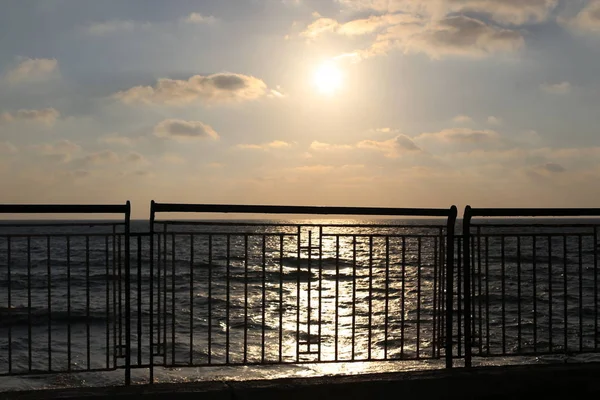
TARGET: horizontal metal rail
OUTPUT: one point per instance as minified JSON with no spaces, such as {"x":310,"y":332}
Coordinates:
{"x":64,"y":209}
{"x":300,"y":210}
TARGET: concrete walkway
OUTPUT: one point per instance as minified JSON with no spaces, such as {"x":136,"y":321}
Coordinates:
{"x":564,"y":381}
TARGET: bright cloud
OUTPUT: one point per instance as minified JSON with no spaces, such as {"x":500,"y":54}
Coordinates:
{"x":197,"y":18}
{"x":212,"y":89}
{"x":588,"y":18}
{"x":390,"y":148}
{"x":44,"y":116}
{"x":33,"y":70}
{"x":276,"y":144}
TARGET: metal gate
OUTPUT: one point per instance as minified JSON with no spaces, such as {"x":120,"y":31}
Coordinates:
{"x":65,"y":291}
{"x":265,"y":292}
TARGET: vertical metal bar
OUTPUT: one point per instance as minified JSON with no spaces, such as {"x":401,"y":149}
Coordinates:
{"x":298,"y":258}
{"x":69,"y":303}
{"x":158,"y":291}
{"x":473,"y":290}
{"x":459,"y":297}
{"x":139,"y":298}
{"x":29,"y":341}
{"x":151,"y":286}
{"x":479,"y":287}
{"x":503,"y":276}
{"x":210,"y":305}
{"x":116,"y":320}
{"x":280,"y":297}
{"x":164,"y":292}
{"x":245,"y":298}
{"x":387,"y":297}
{"x":370,"y":317}
{"x":596,"y":251}
{"x":403,"y":291}
{"x":263,"y":298}
{"x":487,"y":294}
{"x":127,"y":293}
{"x":9,"y":311}
{"x":434,"y":332}
{"x":580,"y":293}
{"x":120,"y":295}
{"x":467,"y":282}
{"x":534,"y":278}
{"x":49,"y":305}
{"x":108,"y":279}
{"x":309,"y":294}
{"x":87,"y":301}
{"x":320,"y":290}
{"x":418,"y":349}
{"x":519,"y":329}
{"x":173,"y":299}
{"x":565,"y":316}
{"x":337,"y":296}
{"x":450,"y":226}
{"x":227,"y":296}
{"x":192,"y":299}
{"x":353,"y":295}
{"x":550,"y":293}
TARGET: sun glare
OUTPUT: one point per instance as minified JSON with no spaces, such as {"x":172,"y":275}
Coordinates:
{"x":328,"y":78}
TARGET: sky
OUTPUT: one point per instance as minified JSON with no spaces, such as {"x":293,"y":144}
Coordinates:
{"x":393,"y":103}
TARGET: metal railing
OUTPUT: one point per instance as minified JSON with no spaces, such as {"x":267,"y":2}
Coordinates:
{"x":100,"y":296}
{"x":530,"y":289}
{"x":247,"y":293}
{"x":62,"y":296}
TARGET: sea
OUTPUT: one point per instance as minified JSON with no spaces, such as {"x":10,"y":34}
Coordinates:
{"x":262,"y":299}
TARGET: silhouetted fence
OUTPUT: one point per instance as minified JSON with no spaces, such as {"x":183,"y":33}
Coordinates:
{"x":99,"y":296}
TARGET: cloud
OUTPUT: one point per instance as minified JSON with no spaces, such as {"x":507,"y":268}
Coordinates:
{"x":462,"y":119}
{"x":135,"y":157}
{"x":319,"y":27}
{"x":197,"y":18}
{"x":276,"y":144}
{"x":101,"y":157}
{"x":212,"y":89}
{"x":184,"y":130}
{"x":115,"y":26}
{"x":7,"y":148}
{"x":455,"y":35}
{"x":314,"y":168}
{"x":172,"y":158}
{"x":588,"y":18}
{"x":33,"y":70}
{"x":61,"y":151}
{"x":462,"y":135}
{"x":553,"y":168}
{"x":391,"y":148}
{"x":320,"y":146}
{"x":556,"y":88}
{"x":494,"y":120}
{"x":505,"y":11}
{"x":115,"y":138}
{"x":47,"y":116}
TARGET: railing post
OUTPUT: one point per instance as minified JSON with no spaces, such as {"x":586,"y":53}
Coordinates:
{"x":127,"y":294}
{"x":151,"y":285}
{"x":450,"y":283}
{"x":466,"y":266}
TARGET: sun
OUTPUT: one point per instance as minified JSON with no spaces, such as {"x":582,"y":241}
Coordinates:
{"x":328,"y":78}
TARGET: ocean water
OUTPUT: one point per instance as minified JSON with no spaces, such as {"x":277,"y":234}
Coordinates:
{"x":283,"y":298}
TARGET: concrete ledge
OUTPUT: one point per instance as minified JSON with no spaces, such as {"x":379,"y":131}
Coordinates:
{"x":520,"y":382}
